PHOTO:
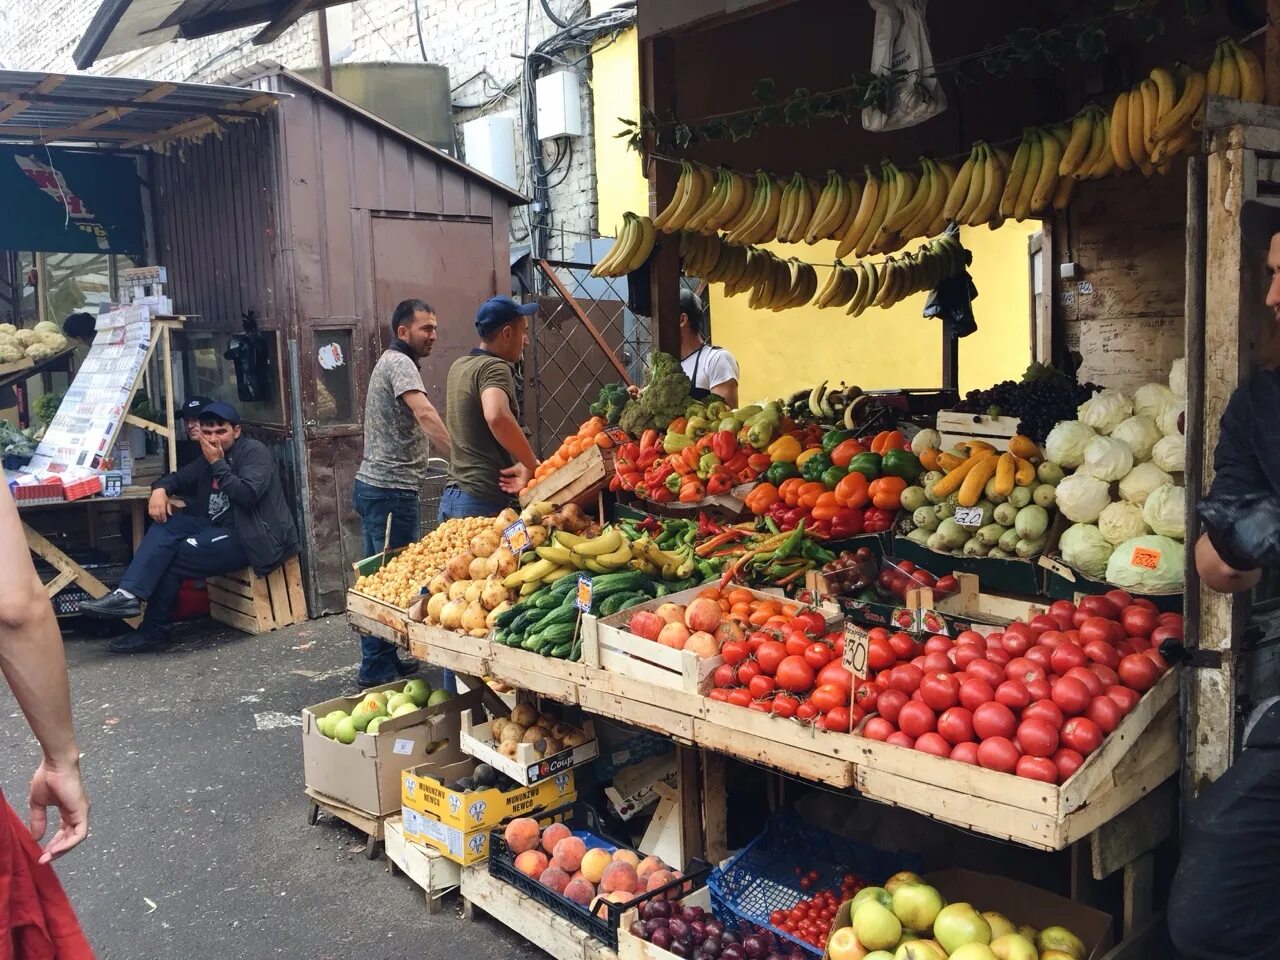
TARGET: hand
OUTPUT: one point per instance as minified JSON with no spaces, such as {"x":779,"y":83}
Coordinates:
{"x":59,"y":786}
{"x":633,"y":392}
{"x":513,"y":479}
{"x":209,"y":447}
{"x":160,"y":506}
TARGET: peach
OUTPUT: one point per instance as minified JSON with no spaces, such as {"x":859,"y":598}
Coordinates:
{"x":671,"y":612}
{"x":553,"y":878}
{"x":553,"y":835}
{"x":674,"y":635}
{"x":594,"y":862}
{"x":702,"y":644}
{"x":646,"y":623}
{"x":580,"y":892}
{"x":532,"y":863}
{"x":648,"y":866}
{"x":568,"y":854}
{"x":659,"y":878}
{"x":619,"y":876}
{"x":627,"y":856}
{"x":618,"y":896}
{"x":702,"y":615}
{"x":522,"y":834}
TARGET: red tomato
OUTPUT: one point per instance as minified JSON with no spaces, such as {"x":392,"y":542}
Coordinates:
{"x":1105,"y":712}
{"x":890,"y":703}
{"x":807,"y":712}
{"x":974,"y":692}
{"x":903,"y":645}
{"x":1037,"y":737}
{"x":1067,"y":761}
{"x":734,"y":652}
{"x":740,"y":697}
{"x":970,"y":636}
{"x":878,"y":728}
{"x":900,"y":739}
{"x":835,"y":672}
{"x":1160,"y":634}
{"x":756,"y":639}
{"x":1039,"y":655}
{"x":1100,"y":606}
{"x":1156,"y":657}
{"x":933,"y":743}
{"x":1082,"y":735}
{"x":1102,"y":651}
{"x":936,"y":663}
{"x":1013,"y":694}
{"x":719,"y":694}
{"x":919,"y":663}
{"x":1124,"y":698}
{"x":1021,"y":668}
{"x":993,"y":720}
{"x":956,"y":725}
{"x":965,"y":752}
{"x":796,"y":643}
{"x":1039,"y":689}
{"x":763,"y":706}
{"x":837,"y":720}
{"x":1139,"y":672}
{"x":784,"y":706}
{"x":880,"y":655}
{"x":795,"y":674}
{"x":1041,"y":623}
{"x":1104,"y":673}
{"x":1071,"y":695}
{"x":940,"y":691}
{"x":761,"y":686}
{"x":965,"y":653}
{"x":1126,"y":648}
{"x":1090,"y":679}
{"x":906,"y":677}
{"x":1137,"y":621}
{"x":725,"y":676}
{"x":828,"y":696}
{"x":811,"y":622}
{"x":1017,"y":639}
{"x":998,"y":753}
{"x":1062,"y":608}
{"x":1045,"y":710}
{"x":1052,"y":639}
{"x":986,"y":670}
{"x":878,"y":633}
{"x":769,"y":655}
{"x":1095,"y":629}
{"x":1037,"y":768}
{"x":748,"y":671}
{"x":1170,"y":619}
{"x":999,"y":656}
{"x":1065,"y":657}
{"x":937,"y":644}
{"x":916,"y":718}
{"x":865,"y":697}
{"x":817,"y":655}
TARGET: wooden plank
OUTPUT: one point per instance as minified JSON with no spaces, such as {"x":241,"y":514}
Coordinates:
{"x":689,"y":802}
{"x":434,"y":873}
{"x":675,"y":725}
{"x":434,"y":636}
{"x":278,"y":591}
{"x":447,"y":659}
{"x":1149,"y":771}
{"x":1142,"y":944}
{"x":585,"y":474}
{"x":637,"y":691}
{"x":373,"y":826}
{"x":1139,"y":893}
{"x":557,"y":679}
{"x":536,"y":923}
{"x":754,"y":725}
{"x":232,"y":601}
{"x":297,"y":597}
{"x":802,"y":763}
{"x":233,"y":618}
{"x":1138,"y":830}
{"x":715,"y":816}
{"x":376,"y":628}
{"x":59,"y":582}
{"x":233,"y":587}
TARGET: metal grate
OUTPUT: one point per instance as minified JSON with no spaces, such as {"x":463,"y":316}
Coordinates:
{"x":567,"y":366}
{"x":431,"y":494}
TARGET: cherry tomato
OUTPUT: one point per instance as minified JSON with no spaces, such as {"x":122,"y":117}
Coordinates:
{"x":1047,"y":711}
{"x":837,"y":720}
{"x":795,"y":674}
{"x":1124,"y":698}
{"x":933,"y":743}
{"x":1013,"y":694}
{"x":1067,"y":761}
{"x":769,"y":655}
{"x":993,"y":720}
{"x":956,"y":725}
{"x":740,"y":697}
{"x":1037,"y":737}
{"x":998,"y":753}
{"x":1138,"y":672}
{"x":747,"y":671}
{"x":1037,"y":768}
{"x":940,"y":690}
{"x":878,"y":728}
{"x":1082,"y":735}
{"x":965,"y":752}
{"x":817,"y":655}
{"x":915,"y":718}
{"x":1071,"y":695}
{"x":890,"y":703}
{"x":1105,"y":712}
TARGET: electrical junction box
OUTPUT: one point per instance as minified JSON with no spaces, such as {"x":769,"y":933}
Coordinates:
{"x":490,"y":145}
{"x":559,"y":105}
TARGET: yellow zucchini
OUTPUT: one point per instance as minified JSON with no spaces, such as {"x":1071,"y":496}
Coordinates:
{"x":949,"y":461}
{"x":974,"y":445}
{"x":951,"y":482}
{"x":976,"y":479}
{"x":1004,"y":474}
{"x":1026,"y":473}
{"x":1024,"y":447}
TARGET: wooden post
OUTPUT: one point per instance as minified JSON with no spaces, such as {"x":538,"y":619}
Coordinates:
{"x":659,"y":95}
{"x":687,"y":777}
{"x":170,"y":402}
{"x":714,"y":808}
{"x":1271,"y":53}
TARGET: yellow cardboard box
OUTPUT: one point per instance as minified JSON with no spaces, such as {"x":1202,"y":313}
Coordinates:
{"x":423,"y":790}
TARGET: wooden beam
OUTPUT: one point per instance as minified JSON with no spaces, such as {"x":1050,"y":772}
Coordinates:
{"x":1271,"y":53}
{"x":189,"y":127}
{"x":13,"y":109}
{"x":110,"y":114}
{"x":658,"y":93}
{"x":590,"y":327}
{"x":282,"y":21}
{"x":1134,"y":832}
{"x":50,"y":83}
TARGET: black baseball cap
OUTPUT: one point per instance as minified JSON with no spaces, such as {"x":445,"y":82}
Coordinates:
{"x":191,"y":409}
{"x":221,"y":411}
{"x":496,"y":312}
{"x":1260,"y":221}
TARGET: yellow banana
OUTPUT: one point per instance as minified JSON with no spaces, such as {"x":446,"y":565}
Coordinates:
{"x":994,"y":183}
{"x":711,"y":205}
{"x":1137,"y":139}
{"x":938,"y":222}
{"x":960,"y":188}
{"x":1250,"y":70}
{"x":643,"y":247}
{"x":854,"y":190}
{"x":833,"y":207}
{"x":1018,"y":173}
{"x":1150,"y":103}
{"x":684,"y":184}
{"x":832,"y":285}
{"x":803,"y":211}
{"x":734,"y":202}
{"x":977,"y":183}
{"x":1035,"y":160}
{"x":745,"y":207}
{"x":693,"y":199}
{"x":1097,"y":144}
{"x":866,"y":285}
{"x":767,"y":228}
{"x":1077,"y":146}
{"x":1230,"y":84}
{"x":620,"y":251}
{"x":1042,"y":191}
{"x":908,"y":211}
{"x":1120,"y":132}
{"x":866,"y":207}
{"x":1181,"y":113}
{"x":868,"y":234}
{"x":1213,"y":79}
{"x":1106,"y":161}
{"x":1166,"y":94}
{"x":827,"y":199}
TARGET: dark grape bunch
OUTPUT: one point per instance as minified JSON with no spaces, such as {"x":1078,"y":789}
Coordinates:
{"x":1038,"y":404}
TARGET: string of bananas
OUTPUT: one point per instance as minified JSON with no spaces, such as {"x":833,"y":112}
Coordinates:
{"x":633,"y":247}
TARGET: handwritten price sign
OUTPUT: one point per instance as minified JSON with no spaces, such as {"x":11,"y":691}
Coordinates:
{"x":583,"y":602}
{"x":517,"y":537}
{"x":857,"y":646}
{"x":969,"y":516}
{"x":1145,"y":557}
{"x":617,"y":435}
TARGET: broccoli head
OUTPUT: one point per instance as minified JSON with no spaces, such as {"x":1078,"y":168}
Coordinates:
{"x":665,"y":396}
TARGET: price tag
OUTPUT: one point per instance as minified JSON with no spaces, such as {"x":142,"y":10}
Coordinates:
{"x":1145,"y":557}
{"x":112,"y":485}
{"x":857,"y":646}
{"x":517,"y":537}
{"x":583,"y":602}
{"x":403,"y":747}
{"x":617,"y":435}
{"x":970,"y":517}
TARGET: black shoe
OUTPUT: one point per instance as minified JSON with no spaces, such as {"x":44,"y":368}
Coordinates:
{"x":139,"y":642}
{"x":364,"y":682}
{"x":114,"y":606}
{"x":407,"y":667}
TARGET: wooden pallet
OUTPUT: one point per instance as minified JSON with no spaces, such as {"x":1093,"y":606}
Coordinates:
{"x":257,"y":604}
{"x":578,"y":481}
{"x":377,"y":618}
{"x":373,"y":827}
{"x":428,"y":868}
{"x":537,"y":923}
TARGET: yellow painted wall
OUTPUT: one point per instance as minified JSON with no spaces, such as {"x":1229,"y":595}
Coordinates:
{"x":778,"y":353}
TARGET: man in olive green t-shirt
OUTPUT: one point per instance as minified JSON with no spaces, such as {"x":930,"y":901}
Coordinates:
{"x":491,"y":459}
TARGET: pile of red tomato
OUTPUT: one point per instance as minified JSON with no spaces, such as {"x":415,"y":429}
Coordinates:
{"x":1033,"y":701}
{"x":794,"y":672}
{"x":810,"y":920}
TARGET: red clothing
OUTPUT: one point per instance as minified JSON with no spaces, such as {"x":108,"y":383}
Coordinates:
{"x":36,"y":919}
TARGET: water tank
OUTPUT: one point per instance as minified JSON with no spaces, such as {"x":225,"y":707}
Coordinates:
{"x":411,"y":96}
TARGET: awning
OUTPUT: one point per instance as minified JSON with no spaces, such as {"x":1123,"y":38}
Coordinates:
{"x":47,"y":108}
{"x":119,"y":26}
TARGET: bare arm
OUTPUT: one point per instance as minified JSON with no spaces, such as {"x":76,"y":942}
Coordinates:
{"x":507,"y":431}
{"x":33,"y":663}
{"x":1218,"y":575}
{"x":728,"y":392}
{"x":424,"y":412}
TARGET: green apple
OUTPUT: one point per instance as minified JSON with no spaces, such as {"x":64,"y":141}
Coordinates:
{"x":1013,"y":946}
{"x":959,"y":924}
{"x":397,"y":700}
{"x":345,"y":731}
{"x":382,"y":696}
{"x":879,"y":894}
{"x":917,"y":905}
{"x":1060,"y":938}
{"x":878,"y":955}
{"x":875,"y":926}
{"x":1031,"y":933}
{"x":973,"y":951}
{"x":417,"y":689}
{"x":1000,"y":924}
{"x":374,"y":724}
{"x":438,"y":697}
{"x":403,"y":708}
{"x":901,"y":877}
{"x":919,"y":950}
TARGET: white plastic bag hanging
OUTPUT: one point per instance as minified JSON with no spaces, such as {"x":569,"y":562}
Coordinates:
{"x":901,"y":42}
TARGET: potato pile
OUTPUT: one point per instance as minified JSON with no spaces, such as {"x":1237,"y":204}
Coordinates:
{"x":546,"y":734}
{"x":400,"y":580}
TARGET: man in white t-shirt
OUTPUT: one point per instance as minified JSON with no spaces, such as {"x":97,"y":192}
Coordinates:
{"x":712,"y":370}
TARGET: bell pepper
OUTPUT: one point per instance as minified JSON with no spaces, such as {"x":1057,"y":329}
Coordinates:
{"x":675,"y":442}
{"x":832,"y":476}
{"x":814,"y":467}
{"x":833,"y":438}
{"x":806,"y":455}
{"x":851,"y":491}
{"x":784,"y":450}
{"x":760,"y":434}
{"x":887,"y":440}
{"x":720,"y":481}
{"x":717,"y":410}
{"x":886,"y":493}
{"x":809,"y":494}
{"x":789,"y":490}
{"x":677,"y":425}
{"x":661,"y":494}
{"x":648,"y":439}
{"x":777,"y":511}
{"x":696,"y":426}
{"x":690,"y":456}
{"x":780,"y":471}
{"x":876,"y":520}
{"x":732,"y":424}
{"x":867,"y":464}
{"x":707,"y":464}
{"x":900,"y":463}
{"x":672,"y":483}
{"x":691,"y":493}
{"x":738,"y":462}
{"x":846,"y":523}
{"x":843,"y":454}
{"x":724,"y":445}
{"x":762,"y":498}
{"x":759,"y":462}
{"x":793,"y":518}
{"x":820,"y":529}
{"x":826,"y":507}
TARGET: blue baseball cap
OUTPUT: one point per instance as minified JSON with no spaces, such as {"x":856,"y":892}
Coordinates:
{"x":496,"y":312}
{"x":221,"y":411}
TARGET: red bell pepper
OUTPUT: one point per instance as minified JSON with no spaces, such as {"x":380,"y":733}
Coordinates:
{"x":759,"y":462}
{"x":660,"y":494}
{"x":876,"y":520}
{"x":778,"y":511}
{"x":720,"y":481}
{"x":821,"y":529}
{"x":846,"y":523}
{"x":724,"y":445}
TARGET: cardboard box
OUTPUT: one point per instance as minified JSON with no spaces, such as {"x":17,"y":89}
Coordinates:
{"x":365,"y":774}
{"x":461,"y":846}
{"x":423,"y":790}
{"x":1022,"y":903}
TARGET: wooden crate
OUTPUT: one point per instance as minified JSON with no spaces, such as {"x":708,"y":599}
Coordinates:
{"x":433,"y":635}
{"x":955,"y":427}
{"x":606,"y":645}
{"x":970,"y":601}
{"x":557,"y":679}
{"x":428,"y":868}
{"x":538,"y":924}
{"x":257,"y":604}
{"x":577,"y":481}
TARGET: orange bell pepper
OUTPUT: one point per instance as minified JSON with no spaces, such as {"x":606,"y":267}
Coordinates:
{"x":886,"y":492}
{"x":851,"y":491}
{"x":677,"y":425}
{"x":789,"y":490}
{"x":887,"y":440}
{"x":843,"y":453}
{"x":810,"y":492}
{"x":826,"y":506}
{"x":759,"y":500}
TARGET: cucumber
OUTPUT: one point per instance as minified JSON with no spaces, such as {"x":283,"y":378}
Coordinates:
{"x":563,"y":614}
{"x":560,"y":651}
{"x":550,"y":637}
{"x":615,"y":602}
{"x":507,"y":617}
{"x":628,"y":604}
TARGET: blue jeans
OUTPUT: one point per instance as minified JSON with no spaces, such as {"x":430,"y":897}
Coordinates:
{"x":375,"y":504}
{"x":458,"y":503}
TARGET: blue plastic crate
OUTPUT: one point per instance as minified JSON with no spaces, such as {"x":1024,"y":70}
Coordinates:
{"x":762,"y":877}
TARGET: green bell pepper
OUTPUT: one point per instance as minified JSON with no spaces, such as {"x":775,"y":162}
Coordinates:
{"x":901,"y":463}
{"x":675,"y":442}
{"x":833,"y":475}
{"x":816,"y":466}
{"x":833,"y":438}
{"x":867,"y":464}
{"x":780,"y":471}
{"x":706,"y":464}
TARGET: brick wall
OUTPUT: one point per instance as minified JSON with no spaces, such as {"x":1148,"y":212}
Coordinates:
{"x":480,"y":41}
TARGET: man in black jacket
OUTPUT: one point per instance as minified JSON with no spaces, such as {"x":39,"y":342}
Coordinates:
{"x":248,"y":524}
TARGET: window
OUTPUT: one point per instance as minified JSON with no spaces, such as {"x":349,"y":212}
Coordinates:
{"x":202,"y":369}
{"x":335,"y":379}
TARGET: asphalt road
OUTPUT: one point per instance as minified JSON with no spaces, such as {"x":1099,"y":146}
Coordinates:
{"x":199,"y":844}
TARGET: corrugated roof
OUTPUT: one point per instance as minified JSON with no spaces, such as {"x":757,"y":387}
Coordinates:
{"x":59,"y":108}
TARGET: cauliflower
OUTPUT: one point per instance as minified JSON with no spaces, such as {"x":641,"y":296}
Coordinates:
{"x":26,"y":338}
{"x":7,"y":328}
{"x":9,"y":353}
{"x":54,"y":340}
{"x":39,"y":351}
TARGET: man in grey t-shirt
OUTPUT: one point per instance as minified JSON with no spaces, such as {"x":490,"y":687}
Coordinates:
{"x":398,"y":421}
